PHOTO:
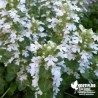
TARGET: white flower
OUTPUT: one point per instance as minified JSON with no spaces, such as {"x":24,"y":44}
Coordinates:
{"x":28,"y":25}
{"x":42,"y":34}
{"x":76,"y":40}
{"x":23,"y":77}
{"x":35,"y":37}
{"x":7,"y":26}
{"x":34,"y":70}
{"x":36,"y":60}
{"x":11,"y":59}
{"x":75,"y":48}
{"x":3,"y":12}
{"x":22,"y":7}
{"x":3,"y":3}
{"x":20,"y":38}
{"x":58,"y":3}
{"x":71,"y":56}
{"x":17,"y":62}
{"x":70,"y":26}
{"x":22,"y":1}
{"x":27,"y":34}
{"x":62,"y":55}
{"x":96,"y":64}
{"x":51,"y":60}
{"x":0,"y":57}
{"x":85,"y":55}
{"x":95,"y":37}
{"x":13,"y":36}
{"x":81,"y":69}
{"x":34,"y":66}
{"x":82,"y":28}
{"x":94,"y":46}
{"x":41,"y":29}
{"x":25,"y":53}
{"x":59,"y":12}
{"x":62,"y":65}
{"x":77,"y":76}
{"x":2,"y":21}
{"x":11,"y":47}
{"x":75,"y":18}
{"x":61,"y":48}
{"x":56,"y":72}
{"x":16,"y":54}
{"x":53,"y":21}
{"x":34,"y":47}
{"x":12,"y":13}
{"x":52,"y":44}
{"x":96,"y":72}
{"x":35,"y":81}
{"x":39,"y":92}
{"x":56,"y":79}
{"x":76,"y":8}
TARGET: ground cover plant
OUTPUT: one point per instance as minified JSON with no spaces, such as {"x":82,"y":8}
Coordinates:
{"x":44,"y":47}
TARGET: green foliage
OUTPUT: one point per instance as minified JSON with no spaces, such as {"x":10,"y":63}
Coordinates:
{"x":28,"y":93}
{"x":89,"y":18}
{"x":45,"y":83}
{"x":12,"y":88}
{"x":12,"y":69}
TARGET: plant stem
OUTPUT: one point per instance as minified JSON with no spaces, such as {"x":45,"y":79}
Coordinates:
{"x":5,"y":93}
{"x":70,"y":95}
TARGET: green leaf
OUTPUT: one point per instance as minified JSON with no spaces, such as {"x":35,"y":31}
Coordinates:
{"x":1,"y":70}
{"x":21,"y":84}
{"x":12,"y":89}
{"x":2,"y":51}
{"x":10,"y":76}
{"x":45,"y":83}
{"x":12,"y":68}
{"x":48,"y":94}
{"x":5,"y":56}
{"x":65,"y":84}
{"x":86,"y":74}
{"x":72,"y":64}
{"x":29,"y":94}
{"x":2,"y":84}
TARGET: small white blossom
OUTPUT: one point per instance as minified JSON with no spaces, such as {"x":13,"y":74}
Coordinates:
{"x":96,"y":72}
{"x":22,"y":1}
{"x":3,"y":3}
{"x":35,"y":81}
{"x":12,"y":13}
{"x":23,"y":77}
{"x":51,"y":60}
{"x":94,"y":46}
{"x":0,"y":57}
{"x":41,"y":29}
{"x":25,"y":53}
{"x":22,"y":7}
{"x":81,"y":69}
{"x":56,"y":79}
{"x":34,"y":47}
{"x":95,"y":37}
{"x":61,"y":48}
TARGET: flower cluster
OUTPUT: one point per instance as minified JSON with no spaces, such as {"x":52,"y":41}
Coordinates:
{"x":46,"y":33}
